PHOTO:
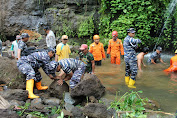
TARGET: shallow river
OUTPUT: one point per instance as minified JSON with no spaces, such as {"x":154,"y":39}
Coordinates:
{"x":155,"y":84}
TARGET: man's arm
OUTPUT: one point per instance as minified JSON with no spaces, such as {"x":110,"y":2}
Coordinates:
{"x":152,"y":61}
{"x":68,"y":77}
{"x":109,"y":48}
{"x":19,"y":53}
{"x":56,"y":58}
{"x":58,"y":51}
{"x":12,"y":50}
{"x":103,"y":52}
{"x":161,"y":60}
{"x":93,"y":66}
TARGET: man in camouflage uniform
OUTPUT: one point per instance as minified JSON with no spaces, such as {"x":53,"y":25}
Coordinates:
{"x":130,"y":44}
{"x":156,"y":56}
{"x":22,"y":44}
{"x":73,"y":70}
{"x":29,"y":66}
{"x":87,"y":57}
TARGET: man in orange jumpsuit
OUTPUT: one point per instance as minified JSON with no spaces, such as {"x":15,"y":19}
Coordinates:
{"x":97,"y":49}
{"x":173,"y":64}
{"x":115,"y":47}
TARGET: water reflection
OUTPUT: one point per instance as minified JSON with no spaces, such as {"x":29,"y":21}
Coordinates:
{"x":173,"y":83}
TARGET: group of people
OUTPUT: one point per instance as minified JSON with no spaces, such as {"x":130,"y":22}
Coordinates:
{"x":73,"y":69}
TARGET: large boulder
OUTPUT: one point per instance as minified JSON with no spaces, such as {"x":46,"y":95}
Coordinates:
{"x":10,"y":75}
{"x":89,"y":86}
{"x":95,"y":110}
{"x":7,"y":113}
{"x":58,"y":91}
{"x":15,"y":94}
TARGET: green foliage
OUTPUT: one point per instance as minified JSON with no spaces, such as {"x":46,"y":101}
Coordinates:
{"x":52,"y":111}
{"x":86,"y":28}
{"x":130,"y":102}
{"x":20,"y":113}
{"x":147,"y":17}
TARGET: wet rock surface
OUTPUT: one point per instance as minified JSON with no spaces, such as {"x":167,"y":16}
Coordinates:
{"x":10,"y":75}
{"x":7,"y":113}
{"x":57,"y":90}
{"x":15,"y":94}
{"x":89,"y":86}
{"x":95,"y":110}
{"x":28,"y":14}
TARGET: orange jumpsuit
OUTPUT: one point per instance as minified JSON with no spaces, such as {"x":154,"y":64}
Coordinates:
{"x":114,"y":48}
{"x":97,"y":50}
{"x":173,"y":64}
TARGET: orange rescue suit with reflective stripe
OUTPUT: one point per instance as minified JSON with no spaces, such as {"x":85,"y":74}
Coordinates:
{"x":173,"y":64}
{"x":115,"y":47}
{"x":97,"y":50}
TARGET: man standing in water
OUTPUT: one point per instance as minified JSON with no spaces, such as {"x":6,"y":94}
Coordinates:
{"x":130,"y":44}
{"x":115,"y":47}
{"x":140,"y":58}
{"x":173,"y":64}
{"x":87,"y":58}
{"x":97,"y":49}
{"x":155,"y":56}
{"x":50,"y":38}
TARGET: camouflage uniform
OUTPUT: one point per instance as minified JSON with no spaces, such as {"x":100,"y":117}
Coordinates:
{"x":87,"y":59}
{"x":130,"y":44}
{"x":30,"y":64}
{"x":154,"y":56}
{"x":76,"y":66}
{"x":21,"y":45}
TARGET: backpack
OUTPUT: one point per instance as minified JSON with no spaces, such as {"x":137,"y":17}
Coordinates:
{"x":30,"y":50}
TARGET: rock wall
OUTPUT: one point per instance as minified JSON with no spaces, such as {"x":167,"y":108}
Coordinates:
{"x":16,"y":15}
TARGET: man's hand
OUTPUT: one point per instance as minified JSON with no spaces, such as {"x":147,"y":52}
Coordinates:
{"x":51,"y":77}
{"x":60,"y":82}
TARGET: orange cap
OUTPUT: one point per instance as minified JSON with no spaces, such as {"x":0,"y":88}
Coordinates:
{"x":96,"y":37}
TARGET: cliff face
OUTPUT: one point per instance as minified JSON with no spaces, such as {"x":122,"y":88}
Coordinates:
{"x":16,"y":15}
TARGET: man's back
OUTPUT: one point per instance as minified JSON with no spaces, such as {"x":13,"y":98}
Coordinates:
{"x":50,"y":40}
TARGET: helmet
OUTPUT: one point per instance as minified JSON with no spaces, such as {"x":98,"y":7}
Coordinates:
{"x":64,"y":37}
{"x":24,"y":35}
{"x":96,"y":37}
{"x":114,"y":33}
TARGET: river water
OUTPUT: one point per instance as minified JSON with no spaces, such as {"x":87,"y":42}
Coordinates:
{"x":155,"y":84}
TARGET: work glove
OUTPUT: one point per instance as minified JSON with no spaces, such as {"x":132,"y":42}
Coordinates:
{"x":107,"y":56}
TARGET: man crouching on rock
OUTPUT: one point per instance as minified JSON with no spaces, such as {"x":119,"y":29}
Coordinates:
{"x":29,"y":66}
{"x":73,"y":70}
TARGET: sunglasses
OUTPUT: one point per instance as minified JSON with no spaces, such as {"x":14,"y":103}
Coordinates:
{"x":65,"y":39}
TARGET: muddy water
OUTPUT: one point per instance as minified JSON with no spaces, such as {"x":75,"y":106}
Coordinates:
{"x":154,"y":83}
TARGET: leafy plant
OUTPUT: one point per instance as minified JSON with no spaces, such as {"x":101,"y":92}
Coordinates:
{"x":20,"y":113}
{"x":130,"y":102}
{"x":147,"y":17}
{"x":86,"y":28}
